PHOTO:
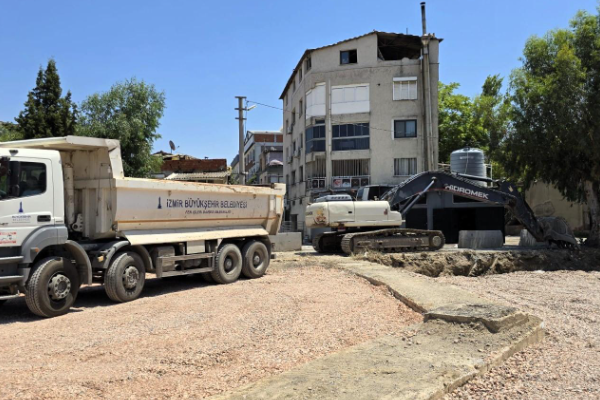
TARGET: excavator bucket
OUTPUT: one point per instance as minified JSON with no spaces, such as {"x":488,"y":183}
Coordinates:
{"x":557,"y":230}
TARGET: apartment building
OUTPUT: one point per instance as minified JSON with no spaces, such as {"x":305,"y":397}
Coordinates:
{"x":255,"y":143}
{"x":271,"y":165}
{"x":358,"y":112}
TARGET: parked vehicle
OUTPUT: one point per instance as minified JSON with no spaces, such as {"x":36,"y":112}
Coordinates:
{"x":69,"y":217}
{"x":372,"y":192}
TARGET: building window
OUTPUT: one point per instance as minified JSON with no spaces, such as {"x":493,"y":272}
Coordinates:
{"x":300,"y":75}
{"x":350,"y":173}
{"x":315,"y":101}
{"x":300,"y":108}
{"x":405,"y":166}
{"x":405,"y":88}
{"x":293,"y":117}
{"x":350,"y":137}
{"x":405,"y":128}
{"x":286,"y":102}
{"x":293,"y":177}
{"x":350,"y":99}
{"x":294,"y":88}
{"x":348,"y":57}
{"x":308,"y":64}
{"x":301,"y":174}
{"x":315,"y":138}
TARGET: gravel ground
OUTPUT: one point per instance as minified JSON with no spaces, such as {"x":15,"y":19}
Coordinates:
{"x":191,"y":339}
{"x":567,"y":364}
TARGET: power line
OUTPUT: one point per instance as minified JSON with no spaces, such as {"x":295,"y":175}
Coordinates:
{"x":333,"y":121}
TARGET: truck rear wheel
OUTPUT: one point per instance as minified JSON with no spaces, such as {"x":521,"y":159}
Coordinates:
{"x":256,"y":259}
{"x":125,"y":277}
{"x":52,"y":288}
{"x":228,"y":264}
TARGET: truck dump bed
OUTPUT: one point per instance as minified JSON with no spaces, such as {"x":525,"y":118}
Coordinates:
{"x":101,"y":203}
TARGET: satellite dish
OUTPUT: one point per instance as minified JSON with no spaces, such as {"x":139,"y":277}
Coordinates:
{"x":172,"y":146}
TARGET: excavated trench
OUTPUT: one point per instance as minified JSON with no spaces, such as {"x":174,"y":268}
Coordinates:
{"x":476,"y":263}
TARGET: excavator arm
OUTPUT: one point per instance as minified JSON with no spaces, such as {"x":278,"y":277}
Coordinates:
{"x":502,"y":193}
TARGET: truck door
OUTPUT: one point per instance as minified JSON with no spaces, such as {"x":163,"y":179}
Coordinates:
{"x":26,"y":198}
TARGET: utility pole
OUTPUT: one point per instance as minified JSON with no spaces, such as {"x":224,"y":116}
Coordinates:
{"x":429,"y":161}
{"x":241,"y":119}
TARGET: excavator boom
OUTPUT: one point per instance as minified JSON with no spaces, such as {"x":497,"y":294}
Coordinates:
{"x":502,"y":193}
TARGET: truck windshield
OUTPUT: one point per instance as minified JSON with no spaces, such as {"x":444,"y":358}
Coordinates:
{"x":21,"y":179}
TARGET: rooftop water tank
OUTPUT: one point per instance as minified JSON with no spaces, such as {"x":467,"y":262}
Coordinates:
{"x":468,"y":161}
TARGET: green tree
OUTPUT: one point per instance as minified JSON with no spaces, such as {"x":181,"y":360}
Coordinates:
{"x":459,"y":125}
{"x":46,"y":113}
{"x":556,"y":98}
{"x":480,"y":122}
{"x":130,"y":112}
{"x":9,"y":132}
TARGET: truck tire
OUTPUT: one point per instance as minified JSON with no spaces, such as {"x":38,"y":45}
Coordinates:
{"x":125,"y":277}
{"x":52,"y":287}
{"x":228,"y":264}
{"x":256,"y":259}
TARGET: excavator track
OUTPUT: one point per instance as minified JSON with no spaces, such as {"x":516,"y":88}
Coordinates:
{"x":399,"y":239}
{"x":328,"y":242}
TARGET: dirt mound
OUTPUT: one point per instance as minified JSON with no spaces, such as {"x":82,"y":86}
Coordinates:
{"x":475,"y":263}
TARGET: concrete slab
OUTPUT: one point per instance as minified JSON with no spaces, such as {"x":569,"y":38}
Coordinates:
{"x":438,"y":358}
{"x":286,"y":241}
{"x":463,"y":336}
{"x":419,"y":292}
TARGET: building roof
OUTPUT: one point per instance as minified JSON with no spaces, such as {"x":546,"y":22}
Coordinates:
{"x":192,"y":176}
{"x":374,"y":32}
{"x":206,"y":165}
{"x":263,"y":136}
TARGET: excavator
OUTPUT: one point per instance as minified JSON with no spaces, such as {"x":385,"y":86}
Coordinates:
{"x":377,"y":225}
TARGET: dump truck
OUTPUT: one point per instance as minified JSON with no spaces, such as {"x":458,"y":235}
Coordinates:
{"x":69,"y":218}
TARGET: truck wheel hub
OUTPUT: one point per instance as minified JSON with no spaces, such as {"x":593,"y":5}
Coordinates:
{"x":228,"y":264}
{"x":437,"y":241}
{"x":59,"y":287}
{"x":256,"y":260}
{"x":131,"y":277}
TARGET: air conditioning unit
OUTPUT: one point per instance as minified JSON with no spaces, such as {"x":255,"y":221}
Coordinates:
{"x":290,"y":129}
{"x":289,"y":159}
{"x":297,"y":153}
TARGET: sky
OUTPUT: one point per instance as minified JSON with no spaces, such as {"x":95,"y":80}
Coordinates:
{"x":204,"y":53}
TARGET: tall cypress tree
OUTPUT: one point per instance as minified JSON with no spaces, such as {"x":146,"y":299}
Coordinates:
{"x":46,"y":113}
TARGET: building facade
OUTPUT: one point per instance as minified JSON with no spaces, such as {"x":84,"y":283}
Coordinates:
{"x":255,"y":144}
{"x":271,"y":165}
{"x":358,"y":112}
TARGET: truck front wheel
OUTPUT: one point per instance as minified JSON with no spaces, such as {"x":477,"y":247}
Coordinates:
{"x":125,"y":277}
{"x":228,"y":264}
{"x":256,"y":259}
{"x":52,"y":288}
